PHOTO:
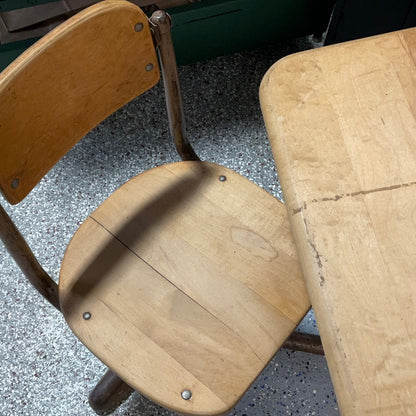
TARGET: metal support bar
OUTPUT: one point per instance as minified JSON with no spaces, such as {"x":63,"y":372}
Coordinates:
{"x":161,"y":23}
{"x":109,"y":393}
{"x":25,"y":259}
{"x":111,"y":390}
{"x":301,"y":341}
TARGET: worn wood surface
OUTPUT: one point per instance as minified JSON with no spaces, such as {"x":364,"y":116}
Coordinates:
{"x":341,"y":121}
{"x":65,"y":84}
{"x":191,"y":282}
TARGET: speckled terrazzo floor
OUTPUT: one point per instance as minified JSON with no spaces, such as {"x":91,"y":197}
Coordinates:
{"x":44,"y":369}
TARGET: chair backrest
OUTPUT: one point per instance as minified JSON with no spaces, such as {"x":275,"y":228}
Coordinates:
{"x":67,"y":83}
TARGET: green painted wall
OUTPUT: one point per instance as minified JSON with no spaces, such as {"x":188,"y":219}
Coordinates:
{"x":211,"y":28}
{"x":218,"y":27}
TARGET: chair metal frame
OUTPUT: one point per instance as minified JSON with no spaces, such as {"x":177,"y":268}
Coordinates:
{"x":112,"y":390}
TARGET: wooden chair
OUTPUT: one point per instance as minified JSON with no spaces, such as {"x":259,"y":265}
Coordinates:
{"x":185,"y":281}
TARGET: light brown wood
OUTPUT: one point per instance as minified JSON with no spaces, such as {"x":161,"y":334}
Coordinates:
{"x":191,"y":282}
{"x":342,"y":125}
{"x":67,"y":83}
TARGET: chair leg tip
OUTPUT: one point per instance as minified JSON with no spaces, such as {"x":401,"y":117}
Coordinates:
{"x":109,"y":393}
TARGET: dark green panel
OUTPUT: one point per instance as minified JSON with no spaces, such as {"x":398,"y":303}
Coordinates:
{"x":354,"y":19}
{"x":10,"y":52}
{"x":211,"y":28}
{"x":6,"y":5}
{"x":217,"y":27}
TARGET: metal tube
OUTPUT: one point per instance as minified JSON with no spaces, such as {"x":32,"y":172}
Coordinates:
{"x":161,"y":23}
{"x":301,"y":341}
{"x":109,"y":393}
{"x":26,"y":260}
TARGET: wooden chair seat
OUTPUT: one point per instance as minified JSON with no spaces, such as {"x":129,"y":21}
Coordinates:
{"x":186,"y":278}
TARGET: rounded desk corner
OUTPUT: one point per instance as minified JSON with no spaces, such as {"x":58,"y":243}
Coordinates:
{"x":276,"y":70}
{"x":280,"y":66}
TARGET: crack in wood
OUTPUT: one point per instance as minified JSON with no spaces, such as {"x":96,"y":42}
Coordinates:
{"x":336,"y":198}
{"x":296,"y":211}
{"x":316,"y":253}
{"x":317,"y":256}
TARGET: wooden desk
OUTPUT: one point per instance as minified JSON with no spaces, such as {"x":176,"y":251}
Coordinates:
{"x":341,"y":122}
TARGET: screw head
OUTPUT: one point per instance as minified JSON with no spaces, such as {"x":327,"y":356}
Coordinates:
{"x":15,"y":183}
{"x":222,"y":178}
{"x":149,"y":67}
{"x":86,"y":316}
{"x":186,"y":394}
{"x":139,"y":27}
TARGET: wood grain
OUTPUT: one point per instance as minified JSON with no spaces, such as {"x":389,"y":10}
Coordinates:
{"x":65,"y":84}
{"x":192,"y":283}
{"x":342,"y":125}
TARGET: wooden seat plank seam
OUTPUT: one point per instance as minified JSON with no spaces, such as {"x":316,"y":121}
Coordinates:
{"x":189,"y":297}
{"x":257,"y":295}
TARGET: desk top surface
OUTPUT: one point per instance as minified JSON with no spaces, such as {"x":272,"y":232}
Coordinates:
{"x":341,"y":121}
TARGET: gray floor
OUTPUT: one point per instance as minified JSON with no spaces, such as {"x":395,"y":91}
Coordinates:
{"x":44,"y":370}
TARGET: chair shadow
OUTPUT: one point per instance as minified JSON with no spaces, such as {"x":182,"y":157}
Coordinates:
{"x":171,"y":198}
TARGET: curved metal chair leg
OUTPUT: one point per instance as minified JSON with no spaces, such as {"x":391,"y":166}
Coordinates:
{"x":300,"y":341}
{"x":109,"y":393}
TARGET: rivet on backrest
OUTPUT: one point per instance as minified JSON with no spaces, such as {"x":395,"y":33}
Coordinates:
{"x":15,"y":183}
{"x":139,"y":27}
